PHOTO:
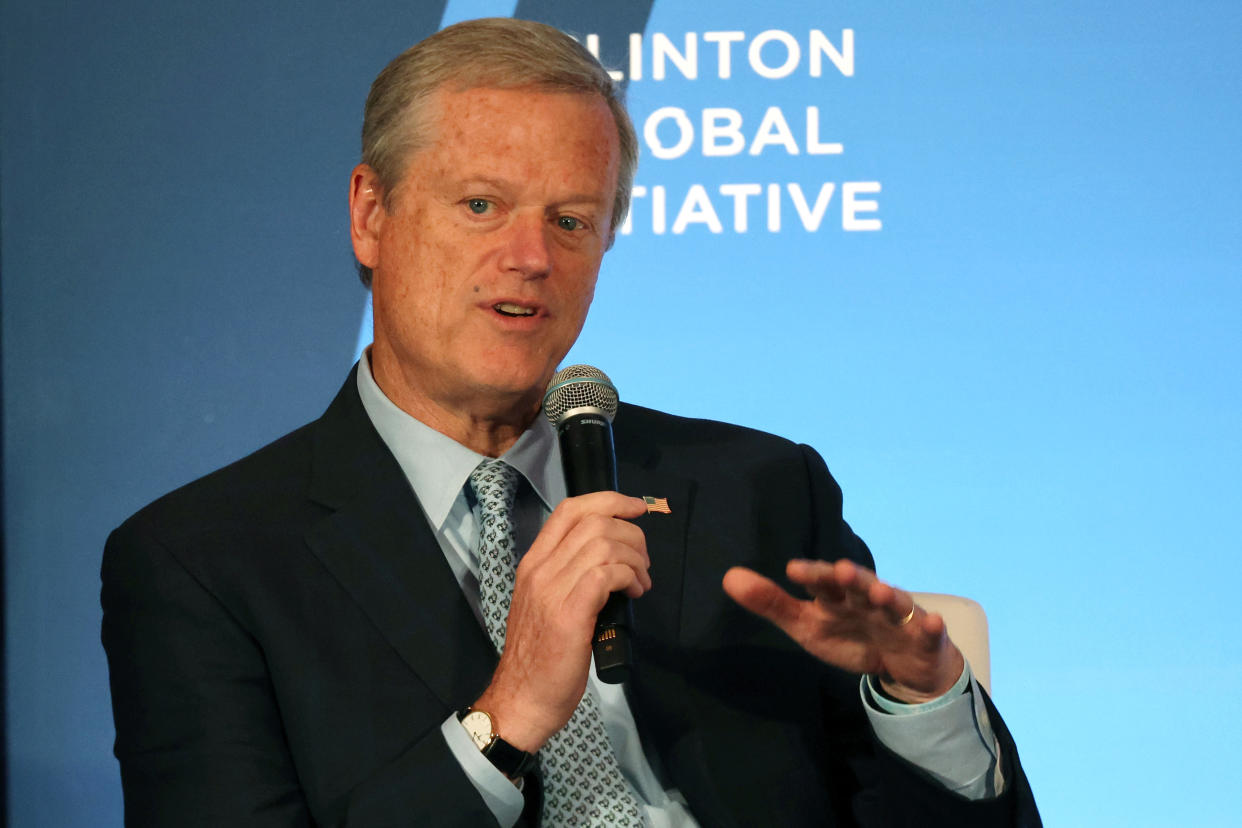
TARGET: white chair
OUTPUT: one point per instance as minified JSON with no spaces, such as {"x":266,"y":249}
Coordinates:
{"x":968,"y":627}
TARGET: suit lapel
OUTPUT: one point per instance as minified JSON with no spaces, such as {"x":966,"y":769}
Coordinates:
{"x":660,"y":609}
{"x":380,"y":548}
{"x":671,"y":713}
{"x":659,"y":699}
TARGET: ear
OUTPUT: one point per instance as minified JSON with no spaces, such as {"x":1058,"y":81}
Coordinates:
{"x":366,"y":214}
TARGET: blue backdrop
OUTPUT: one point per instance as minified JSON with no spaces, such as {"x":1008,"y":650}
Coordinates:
{"x":1003,"y":300}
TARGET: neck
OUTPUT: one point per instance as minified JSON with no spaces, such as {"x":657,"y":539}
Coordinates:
{"x":486,"y":424}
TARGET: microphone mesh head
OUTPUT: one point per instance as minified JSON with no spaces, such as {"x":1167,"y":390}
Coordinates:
{"x":577,"y":387}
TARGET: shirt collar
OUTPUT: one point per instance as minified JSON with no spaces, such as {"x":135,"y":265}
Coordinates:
{"x":438,"y":467}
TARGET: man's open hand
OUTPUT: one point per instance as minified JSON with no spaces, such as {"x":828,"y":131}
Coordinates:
{"x":854,"y":621}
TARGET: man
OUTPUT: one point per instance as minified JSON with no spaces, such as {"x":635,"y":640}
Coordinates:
{"x":331,"y":631}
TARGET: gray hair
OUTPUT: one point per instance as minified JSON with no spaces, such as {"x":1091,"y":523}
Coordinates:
{"x":490,"y":53}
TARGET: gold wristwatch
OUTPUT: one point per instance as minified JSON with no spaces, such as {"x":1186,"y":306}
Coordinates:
{"x":509,"y":760}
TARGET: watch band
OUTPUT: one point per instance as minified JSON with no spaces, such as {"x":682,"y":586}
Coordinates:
{"x":511,"y":761}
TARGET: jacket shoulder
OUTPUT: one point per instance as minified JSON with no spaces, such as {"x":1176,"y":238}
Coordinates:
{"x":700,"y":441}
{"x":261,"y":486}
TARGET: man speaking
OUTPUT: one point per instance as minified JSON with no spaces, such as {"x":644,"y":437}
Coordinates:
{"x":385,"y":617}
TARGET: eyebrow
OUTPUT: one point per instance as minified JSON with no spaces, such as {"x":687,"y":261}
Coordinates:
{"x":505,"y":184}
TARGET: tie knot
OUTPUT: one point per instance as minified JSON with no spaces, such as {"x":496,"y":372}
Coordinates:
{"x":495,"y":484}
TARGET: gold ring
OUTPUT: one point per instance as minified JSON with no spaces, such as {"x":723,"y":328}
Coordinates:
{"x":908,"y":618}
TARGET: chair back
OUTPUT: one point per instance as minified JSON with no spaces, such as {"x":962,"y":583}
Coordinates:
{"x":968,"y":627}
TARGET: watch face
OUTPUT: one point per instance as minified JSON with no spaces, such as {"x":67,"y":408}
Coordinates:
{"x":479,"y":725}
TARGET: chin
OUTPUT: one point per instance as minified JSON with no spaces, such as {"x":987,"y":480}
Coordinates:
{"x":517,"y":374}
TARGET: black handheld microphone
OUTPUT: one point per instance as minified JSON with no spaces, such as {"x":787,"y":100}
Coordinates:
{"x":581,"y":402}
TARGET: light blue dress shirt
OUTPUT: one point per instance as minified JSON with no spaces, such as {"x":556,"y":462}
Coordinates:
{"x":950,"y":737}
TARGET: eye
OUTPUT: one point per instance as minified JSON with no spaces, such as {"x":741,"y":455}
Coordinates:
{"x":569,"y":223}
{"x":478,"y":206}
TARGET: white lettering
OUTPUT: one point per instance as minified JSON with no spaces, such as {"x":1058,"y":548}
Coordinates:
{"x":813,"y":146}
{"x":740,"y":192}
{"x":697,"y":208}
{"x":723,"y":133}
{"x":780,"y":61}
{"x":851,"y":207}
{"x":792,"y":54}
{"x":687,"y":62}
{"x":722,"y":123}
{"x":652,"y":136}
{"x":636,"y":192}
{"x":820,"y":45}
{"x":773,"y":129}
{"x":811,"y":217}
{"x":724,"y":52}
{"x":636,"y":56}
{"x":592,"y":46}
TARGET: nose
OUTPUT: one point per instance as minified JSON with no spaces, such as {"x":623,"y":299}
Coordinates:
{"x":526,"y":248}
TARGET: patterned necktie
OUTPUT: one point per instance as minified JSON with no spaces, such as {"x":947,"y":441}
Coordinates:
{"x":582,"y":782}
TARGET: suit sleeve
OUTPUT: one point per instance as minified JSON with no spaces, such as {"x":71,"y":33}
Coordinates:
{"x":199,"y":731}
{"x":891,"y":790}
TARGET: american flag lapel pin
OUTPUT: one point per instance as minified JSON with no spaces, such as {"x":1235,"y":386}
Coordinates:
{"x":657,"y":504}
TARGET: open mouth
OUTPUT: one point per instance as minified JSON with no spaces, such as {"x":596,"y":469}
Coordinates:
{"x":510,"y":309}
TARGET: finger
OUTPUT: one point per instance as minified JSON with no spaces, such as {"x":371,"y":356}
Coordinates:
{"x":831,"y":582}
{"x":572,"y":510}
{"x":870,"y":593}
{"x":594,"y":585}
{"x":594,"y":541}
{"x":855,"y":579}
{"x":845,"y":585}
{"x":607,"y":551}
{"x":932,"y":625}
{"x":764,"y":597}
{"x":901,"y":617}
{"x":613,"y":504}
{"x":601,"y":527}
{"x":622,"y":505}
{"x":895,"y":604}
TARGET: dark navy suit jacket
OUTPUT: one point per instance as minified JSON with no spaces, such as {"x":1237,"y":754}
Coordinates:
{"x":285,"y":638}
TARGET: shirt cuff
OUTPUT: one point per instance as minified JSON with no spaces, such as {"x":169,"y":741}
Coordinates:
{"x":949,"y":737}
{"x":898,"y":708}
{"x":500,"y":795}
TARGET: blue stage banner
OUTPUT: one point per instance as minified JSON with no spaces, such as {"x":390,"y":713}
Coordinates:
{"x":983,"y":257}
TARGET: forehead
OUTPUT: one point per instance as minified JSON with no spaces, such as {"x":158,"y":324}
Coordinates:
{"x":523,"y":131}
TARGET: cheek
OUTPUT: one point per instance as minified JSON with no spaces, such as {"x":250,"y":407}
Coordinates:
{"x":442,"y":289}
{"x":583,"y":294}
{"x":584,"y":303}
{"x":586,"y":286}
{"x":422,"y":256}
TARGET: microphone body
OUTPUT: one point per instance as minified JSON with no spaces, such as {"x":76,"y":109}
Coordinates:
{"x":580,"y":403}
{"x":587,"y":454}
